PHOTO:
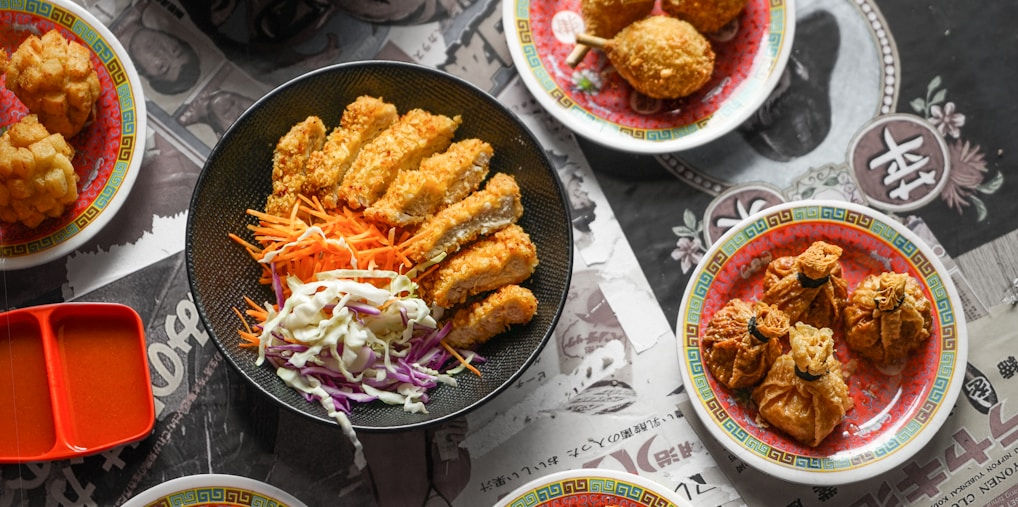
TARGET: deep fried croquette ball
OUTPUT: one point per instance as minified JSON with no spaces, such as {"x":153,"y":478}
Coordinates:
{"x":37,"y":179}
{"x":662,"y":57}
{"x":707,"y":16}
{"x":55,"y":80}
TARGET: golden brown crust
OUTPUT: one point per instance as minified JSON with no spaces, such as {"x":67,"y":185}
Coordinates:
{"x":55,"y":80}
{"x":482,"y":212}
{"x":443,"y":179}
{"x":818,"y":298}
{"x":733,"y":350}
{"x":37,"y":179}
{"x":804,"y":394}
{"x":401,"y":147}
{"x":887,"y":318}
{"x":707,"y":16}
{"x":503,"y":258}
{"x":363,"y":120}
{"x":662,"y":57}
{"x":605,"y":18}
{"x":289,"y":161}
{"x":477,"y":323}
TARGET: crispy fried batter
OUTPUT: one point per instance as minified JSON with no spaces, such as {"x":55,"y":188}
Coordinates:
{"x":662,"y":57}
{"x":705,"y":15}
{"x":443,"y":179}
{"x":887,"y":318}
{"x":37,"y":179}
{"x":363,"y":120}
{"x":604,"y":18}
{"x":477,"y":323}
{"x":400,"y":147}
{"x":482,"y":212}
{"x":505,"y":257}
{"x":289,"y":163}
{"x":55,"y":80}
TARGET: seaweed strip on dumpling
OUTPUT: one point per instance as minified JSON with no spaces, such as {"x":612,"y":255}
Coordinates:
{"x":804,"y":394}
{"x":809,"y":287}
{"x":742,"y":340}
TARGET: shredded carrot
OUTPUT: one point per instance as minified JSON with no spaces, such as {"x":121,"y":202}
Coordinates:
{"x":348,"y":241}
{"x":460,"y":358}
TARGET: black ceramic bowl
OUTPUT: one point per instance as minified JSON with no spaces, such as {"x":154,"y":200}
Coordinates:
{"x":237,"y":176}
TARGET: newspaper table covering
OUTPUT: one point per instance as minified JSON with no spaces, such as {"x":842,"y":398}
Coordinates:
{"x":606,"y":391}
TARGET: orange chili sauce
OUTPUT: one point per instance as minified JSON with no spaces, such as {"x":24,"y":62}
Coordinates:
{"x":26,"y":411}
{"x":101,"y":372}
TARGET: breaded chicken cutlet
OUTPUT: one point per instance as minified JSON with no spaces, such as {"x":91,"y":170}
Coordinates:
{"x":402,"y":146}
{"x":289,"y":162}
{"x":363,"y":120}
{"x":503,"y":258}
{"x":443,"y":179}
{"x":480,"y":213}
{"x":476,"y":323}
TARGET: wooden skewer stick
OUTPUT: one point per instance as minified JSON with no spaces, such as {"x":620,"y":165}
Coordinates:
{"x":590,"y":40}
{"x":576,"y":56}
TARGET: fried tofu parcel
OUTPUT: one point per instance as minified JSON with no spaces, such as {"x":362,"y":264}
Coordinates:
{"x":393,"y":251}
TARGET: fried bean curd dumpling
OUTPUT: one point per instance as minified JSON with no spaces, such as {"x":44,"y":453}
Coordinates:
{"x":37,"y":179}
{"x":887,"y":318}
{"x":809,"y":287}
{"x":706,"y":15}
{"x":804,"y":394}
{"x":742,"y":341}
{"x":55,"y":80}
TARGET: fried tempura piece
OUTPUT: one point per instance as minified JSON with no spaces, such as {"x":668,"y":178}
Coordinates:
{"x":505,"y":257}
{"x":605,"y":18}
{"x":809,"y":287}
{"x":400,"y":147}
{"x":443,"y":179}
{"x":289,"y":162}
{"x":660,"y":56}
{"x":480,"y":213}
{"x":363,"y":120}
{"x":804,"y":393}
{"x":55,"y":80}
{"x":886,"y":318}
{"x":477,"y":323}
{"x":707,"y":16}
{"x":37,"y":179}
{"x":742,"y":341}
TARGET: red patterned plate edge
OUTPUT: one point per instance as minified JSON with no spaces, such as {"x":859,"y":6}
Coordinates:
{"x":592,"y":487}
{"x":122,"y":171}
{"x":848,"y":467}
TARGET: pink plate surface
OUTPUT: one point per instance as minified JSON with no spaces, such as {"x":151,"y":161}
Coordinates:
{"x":597,"y":103}
{"x":106,"y":159}
{"x":894,"y":415}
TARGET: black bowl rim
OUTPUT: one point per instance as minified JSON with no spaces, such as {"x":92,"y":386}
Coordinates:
{"x":410,"y":67}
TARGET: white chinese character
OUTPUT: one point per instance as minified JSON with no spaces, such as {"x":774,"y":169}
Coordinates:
{"x":902,"y":163}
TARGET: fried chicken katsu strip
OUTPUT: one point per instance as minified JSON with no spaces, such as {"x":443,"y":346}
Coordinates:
{"x":400,"y":147}
{"x":443,"y":179}
{"x":289,"y":161}
{"x":482,"y":212}
{"x":363,"y":120}
{"x":478,"y":322}
{"x":505,"y":257}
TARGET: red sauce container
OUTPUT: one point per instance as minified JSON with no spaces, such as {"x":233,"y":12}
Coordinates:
{"x":74,"y":380}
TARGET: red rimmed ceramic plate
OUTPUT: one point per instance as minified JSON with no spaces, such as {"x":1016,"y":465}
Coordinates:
{"x":894,"y":415}
{"x":214,"y":490}
{"x":593,"y":487}
{"x":108,"y":151}
{"x":595,"y":102}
